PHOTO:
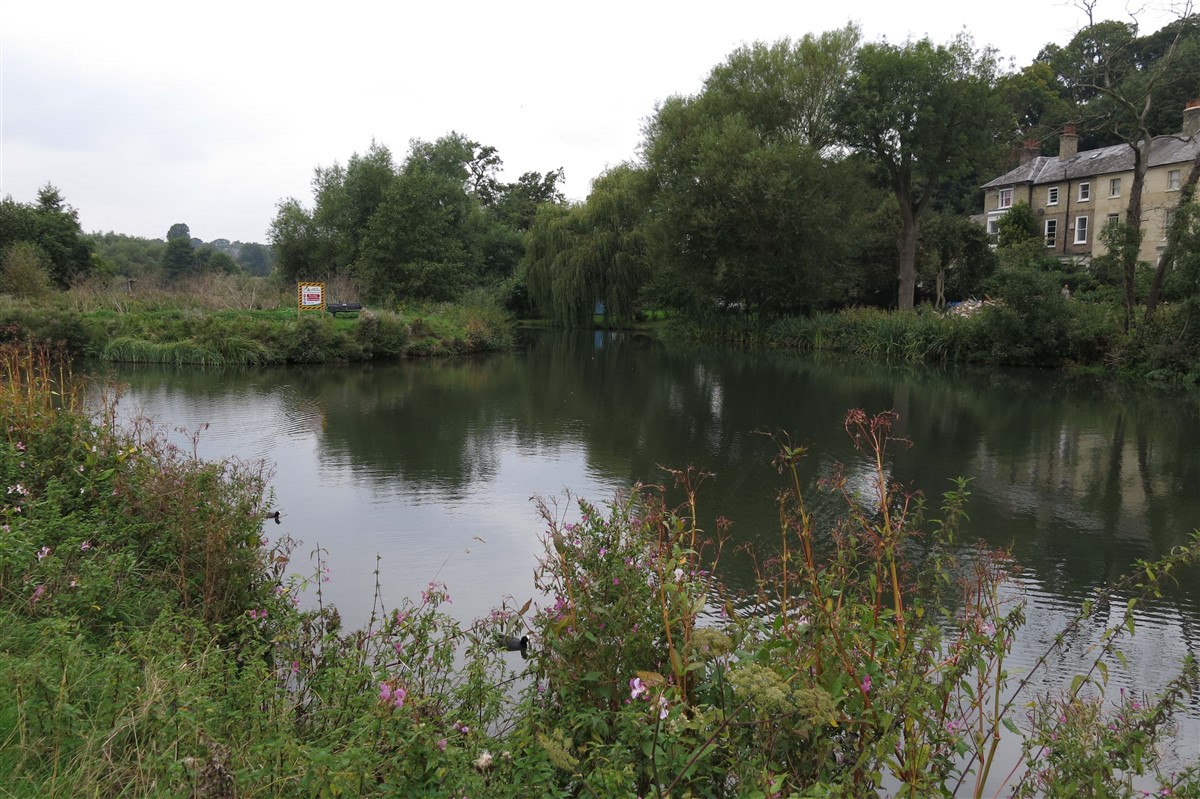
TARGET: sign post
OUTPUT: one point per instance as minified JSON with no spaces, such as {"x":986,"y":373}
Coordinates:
{"x":310,"y":297}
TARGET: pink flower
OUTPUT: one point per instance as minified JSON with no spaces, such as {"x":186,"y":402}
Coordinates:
{"x":662,"y":708}
{"x":44,"y":553}
{"x":866,"y":684}
{"x":385,"y":692}
{"x":441,"y":744}
{"x":637,"y":689}
{"x":85,"y":546}
{"x":37,"y":594}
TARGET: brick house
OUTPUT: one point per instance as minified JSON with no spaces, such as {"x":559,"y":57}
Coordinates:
{"x":1074,"y":194}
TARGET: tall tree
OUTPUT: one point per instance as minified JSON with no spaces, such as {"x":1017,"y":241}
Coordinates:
{"x":53,"y":226}
{"x":746,"y":211}
{"x":179,"y":259}
{"x":787,"y":88}
{"x":922,"y":115}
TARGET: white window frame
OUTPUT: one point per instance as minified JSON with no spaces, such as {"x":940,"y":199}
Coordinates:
{"x":1114,"y":187}
{"x":1005,"y":194}
{"x":1052,"y":195}
{"x":1085,"y":192}
{"x":1081,"y":229}
{"x":1050,"y":232}
{"x":1173,"y":177}
{"x":993,"y":226}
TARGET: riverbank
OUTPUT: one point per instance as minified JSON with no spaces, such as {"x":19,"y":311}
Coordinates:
{"x":250,"y":328}
{"x":1045,"y":331}
{"x":149,"y":644}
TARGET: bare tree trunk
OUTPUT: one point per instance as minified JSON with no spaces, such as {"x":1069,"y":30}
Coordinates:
{"x":1133,"y":217}
{"x":1175,"y":230}
{"x":906,"y":245}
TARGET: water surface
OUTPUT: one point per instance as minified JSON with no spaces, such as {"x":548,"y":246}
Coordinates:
{"x":425,"y":469}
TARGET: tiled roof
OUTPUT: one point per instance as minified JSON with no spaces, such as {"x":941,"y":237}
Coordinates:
{"x":1116,"y":158}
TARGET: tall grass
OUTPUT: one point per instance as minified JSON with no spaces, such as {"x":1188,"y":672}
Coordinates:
{"x":193,"y":324}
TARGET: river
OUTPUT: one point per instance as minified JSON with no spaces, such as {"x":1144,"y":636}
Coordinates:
{"x":424,"y":470}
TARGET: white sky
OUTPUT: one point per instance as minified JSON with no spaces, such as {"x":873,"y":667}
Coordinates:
{"x":144,"y":114}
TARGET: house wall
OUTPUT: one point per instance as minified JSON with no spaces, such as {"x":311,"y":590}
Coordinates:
{"x":1101,"y":204}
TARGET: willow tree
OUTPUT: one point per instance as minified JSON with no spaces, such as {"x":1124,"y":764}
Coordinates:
{"x":923,"y":115}
{"x":578,"y":255}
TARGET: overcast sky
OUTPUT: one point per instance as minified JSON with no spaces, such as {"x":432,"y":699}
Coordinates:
{"x":144,"y":114}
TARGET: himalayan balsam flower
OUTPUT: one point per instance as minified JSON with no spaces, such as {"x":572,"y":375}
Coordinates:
{"x":637,"y":689}
{"x":43,"y":553}
{"x":85,"y":546}
{"x":678,"y":574}
{"x":662,"y":708}
{"x":866,"y":684}
{"x":37,"y":594}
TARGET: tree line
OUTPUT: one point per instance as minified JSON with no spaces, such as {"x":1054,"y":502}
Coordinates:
{"x":43,"y":248}
{"x":805,"y":175}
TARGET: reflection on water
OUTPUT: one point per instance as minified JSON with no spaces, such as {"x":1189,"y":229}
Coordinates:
{"x":430,"y":465}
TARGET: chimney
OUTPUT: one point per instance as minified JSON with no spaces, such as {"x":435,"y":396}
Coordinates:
{"x":1191,"y":119}
{"x":1068,"y":143}
{"x":1031,"y":150}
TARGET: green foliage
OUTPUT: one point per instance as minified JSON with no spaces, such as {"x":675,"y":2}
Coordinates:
{"x":1018,"y":226}
{"x":24,"y":271}
{"x":179,"y":259}
{"x":53,"y":227}
{"x":923,"y":116}
{"x":579,"y":255}
{"x":746,"y":210}
{"x":428,"y":229}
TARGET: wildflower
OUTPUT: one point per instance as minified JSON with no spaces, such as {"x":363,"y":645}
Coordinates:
{"x":866,"y":684}
{"x":20,"y":446}
{"x":616,"y":581}
{"x":441,"y":744}
{"x":74,"y":584}
{"x":637,"y":689}
{"x":295,"y":667}
{"x":398,"y":697}
{"x":484,"y":761}
{"x":603,"y":551}
{"x":678,"y":575}
{"x":37,"y":594}
{"x":461,"y":728}
{"x":85,"y":546}
{"x":5,"y":528}
{"x":385,"y":692}
{"x":663,"y":707}
{"x":44,"y":553}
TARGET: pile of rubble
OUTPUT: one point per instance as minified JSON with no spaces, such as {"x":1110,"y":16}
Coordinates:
{"x":970,"y":307}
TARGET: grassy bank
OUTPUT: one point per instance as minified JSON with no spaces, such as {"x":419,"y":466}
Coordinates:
{"x":243,"y":321}
{"x":1043,"y":330}
{"x":152,"y":644}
